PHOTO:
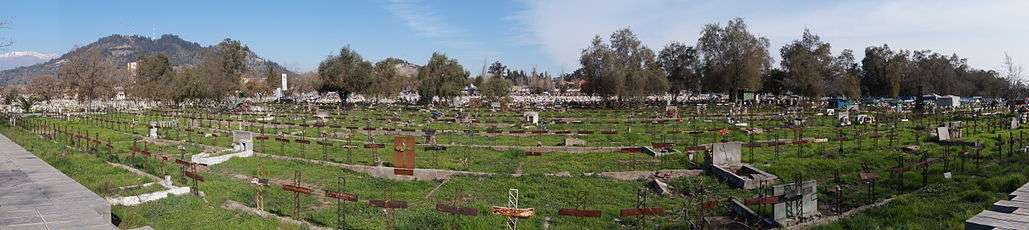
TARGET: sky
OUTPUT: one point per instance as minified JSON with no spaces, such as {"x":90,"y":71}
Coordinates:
{"x":523,"y":34}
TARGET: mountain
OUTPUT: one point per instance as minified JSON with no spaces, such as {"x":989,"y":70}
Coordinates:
{"x":23,"y":58}
{"x":122,"y":49}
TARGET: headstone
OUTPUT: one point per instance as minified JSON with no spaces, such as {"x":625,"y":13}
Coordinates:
{"x":726,"y":154}
{"x":943,"y":133}
{"x":1015,"y":123}
{"x":243,"y":142}
{"x":795,"y":202}
{"x":153,"y":131}
{"x":531,"y":117}
{"x":404,"y":156}
{"x":843,"y":118}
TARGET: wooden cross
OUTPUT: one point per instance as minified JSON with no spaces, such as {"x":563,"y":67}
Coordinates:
{"x":641,"y":211}
{"x":388,"y":205}
{"x":341,"y":197}
{"x":579,"y":210}
{"x":192,"y":173}
{"x":296,"y":189}
{"x":455,"y":209}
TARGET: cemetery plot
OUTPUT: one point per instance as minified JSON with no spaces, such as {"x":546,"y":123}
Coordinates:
{"x":763,"y":152}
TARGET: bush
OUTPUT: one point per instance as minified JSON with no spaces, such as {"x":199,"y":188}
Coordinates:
{"x":1004,"y":184}
{"x":976,"y":196}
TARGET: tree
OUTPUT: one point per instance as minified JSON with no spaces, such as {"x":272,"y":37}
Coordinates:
{"x":734,"y":59}
{"x":883,"y":70}
{"x":808,"y":63}
{"x":345,"y":74}
{"x":496,"y":69}
{"x":46,"y":87}
{"x":441,"y":77}
{"x":88,"y":76}
{"x":625,"y":70}
{"x":153,"y":77}
{"x":683,"y":67}
{"x":845,"y":76}
{"x":272,"y":78}
{"x":495,"y":89}
{"x":1013,"y":74}
{"x":387,"y":81}
{"x":189,"y":85}
{"x":218,"y":75}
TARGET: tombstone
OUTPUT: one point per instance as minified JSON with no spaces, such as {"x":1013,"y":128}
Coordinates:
{"x":865,"y":119}
{"x":843,"y":118}
{"x":1015,"y":123}
{"x":404,"y":155}
{"x":531,"y":117}
{"x":672,"y":112}
{"x":725,"y":161}
{"x":943,"y":133}
{"x":243,"y":142}
{"x":153,"y":131}
{"x":796,"y":202}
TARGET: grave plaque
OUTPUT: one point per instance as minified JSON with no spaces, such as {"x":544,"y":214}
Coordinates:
{"x":404,"y":156}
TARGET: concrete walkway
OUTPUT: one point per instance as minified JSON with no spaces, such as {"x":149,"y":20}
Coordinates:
{"x":34,"y":195}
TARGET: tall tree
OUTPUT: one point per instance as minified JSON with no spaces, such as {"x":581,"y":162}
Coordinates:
{"x":46,"y":87}
{"x":495,"y":89}
{"x":624,"y":70}
{"x":883,"y":71}
{"x":496,"y":69}
{"x":223,"y":70}
{"x":387,"y":82}
{"x":845,"y":76}
{"x":153,"y":77}
{"x":1013,"y":74}
{"x":441,"y":77}
{"x":808,"y":62}
{"x":345,"y":74}
{"x":89,"y":76}
{"x":683,"y":67}
{"x":272,"y":78}
{"x":734,"y":59}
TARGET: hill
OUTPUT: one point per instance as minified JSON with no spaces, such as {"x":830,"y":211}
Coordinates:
{"x":122,"y":49}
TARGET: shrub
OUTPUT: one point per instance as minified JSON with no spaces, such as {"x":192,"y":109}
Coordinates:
{"x":976,"y":196}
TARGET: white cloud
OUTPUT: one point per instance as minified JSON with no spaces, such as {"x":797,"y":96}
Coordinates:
{"x":978,"y":30}
{"x":427,"y":23}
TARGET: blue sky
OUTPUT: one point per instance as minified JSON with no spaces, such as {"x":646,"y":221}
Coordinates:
{"x":547,"y":35}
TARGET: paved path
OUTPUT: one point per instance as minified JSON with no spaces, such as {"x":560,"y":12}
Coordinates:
{"x":34,"y":195}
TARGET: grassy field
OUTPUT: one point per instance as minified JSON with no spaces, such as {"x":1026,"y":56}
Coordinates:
{"x":935,"y":203}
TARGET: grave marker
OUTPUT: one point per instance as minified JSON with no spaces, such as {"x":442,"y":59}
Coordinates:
{"x":296,"y":189}
{"x":341,"y":197}
{"x":404,"y":155}
{"x":512,"y":212}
